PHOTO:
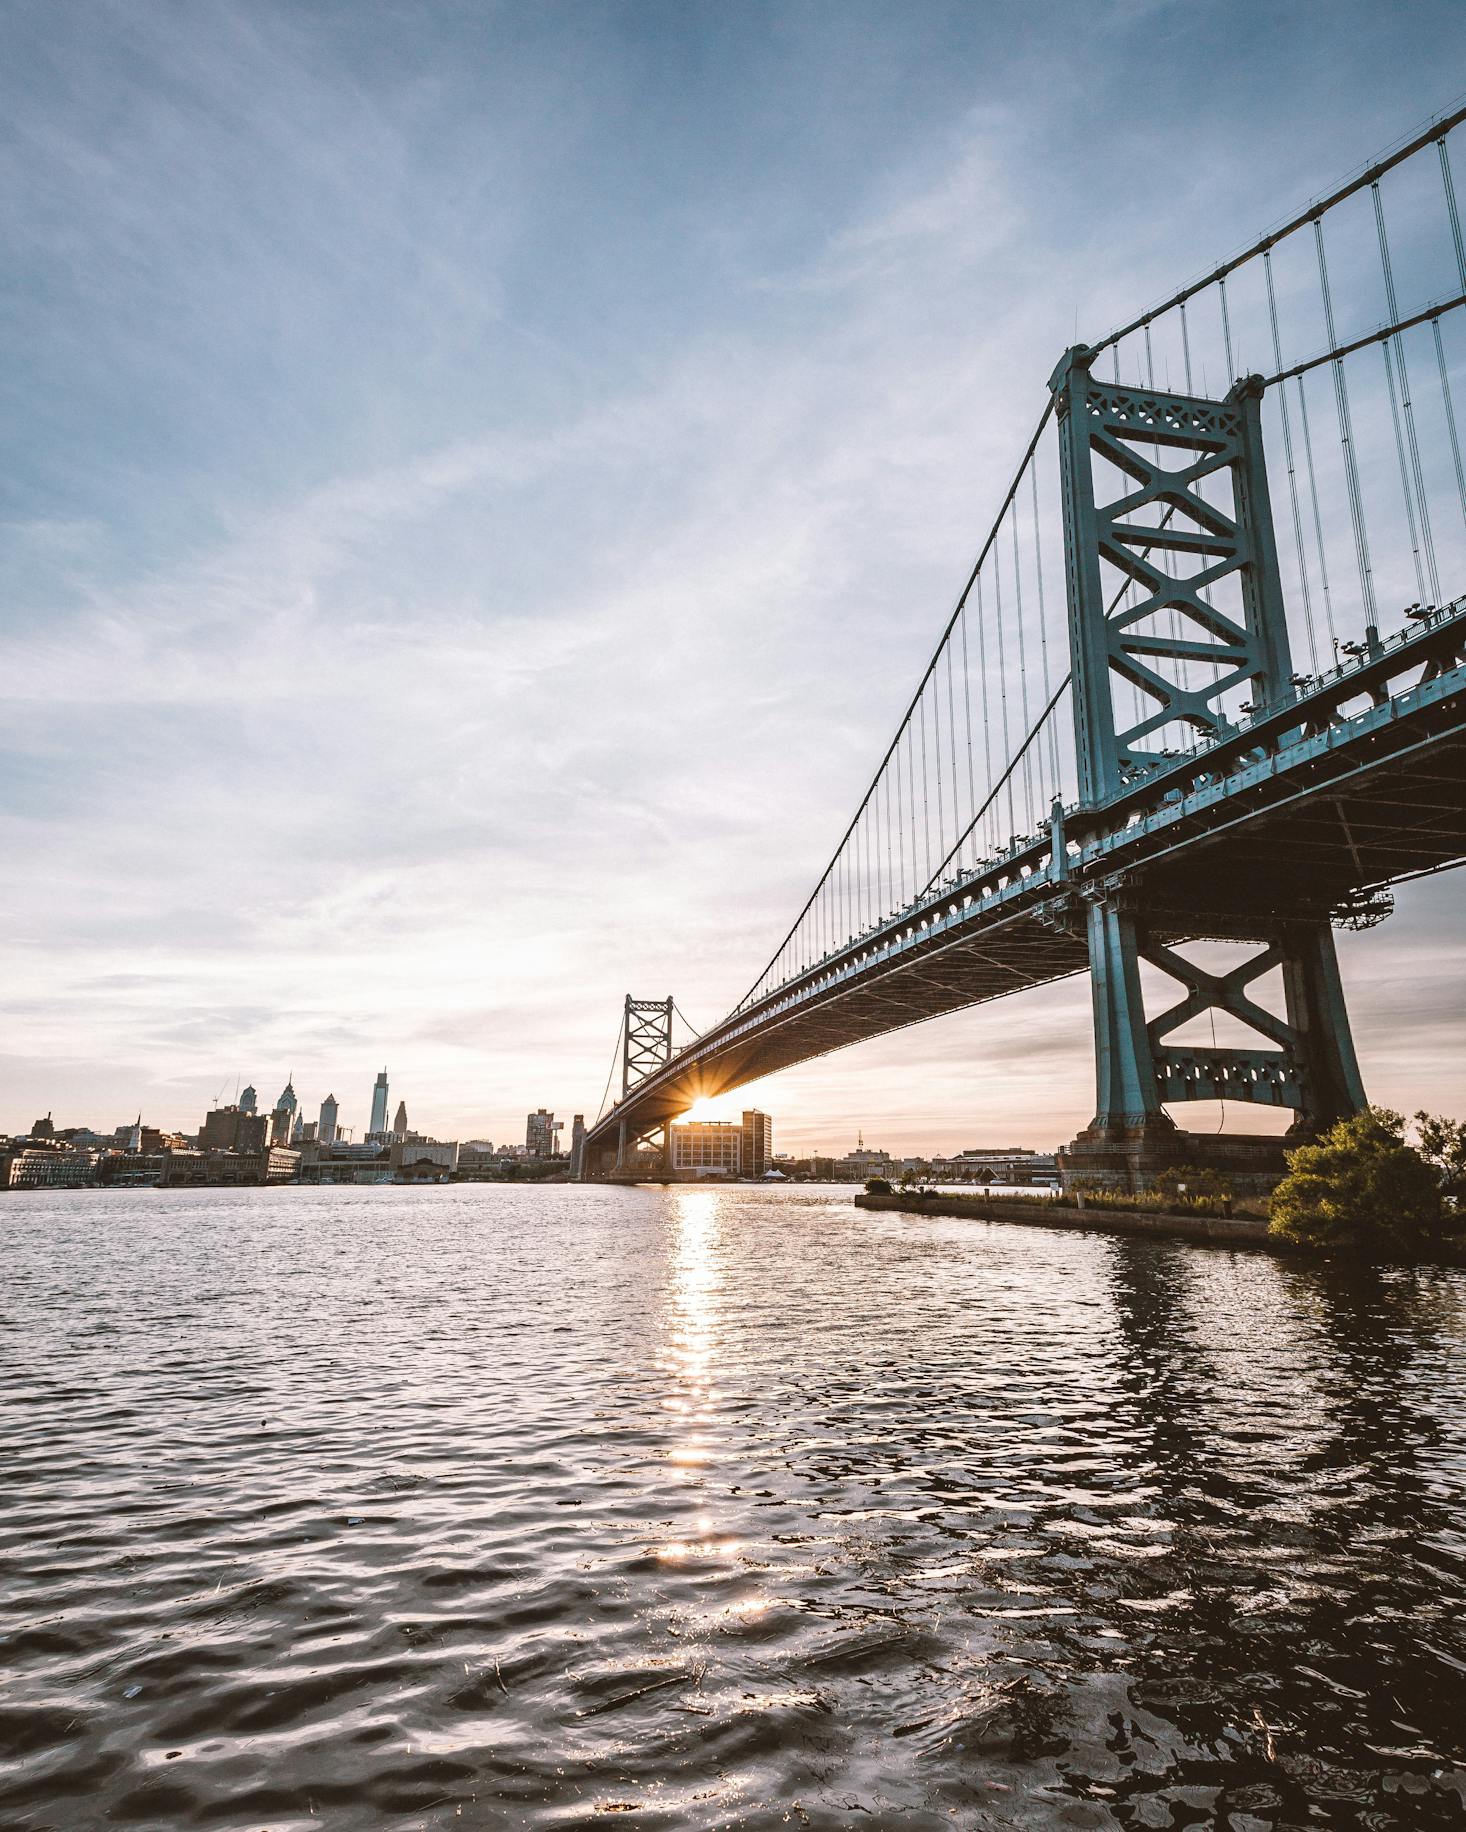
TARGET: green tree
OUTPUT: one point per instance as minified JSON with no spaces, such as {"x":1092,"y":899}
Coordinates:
{"x":1361,"y":1188}
{"x":1443,"y":1145}
{"x":877,"y":1186}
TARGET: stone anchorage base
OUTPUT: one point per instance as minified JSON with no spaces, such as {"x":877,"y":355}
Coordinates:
{"x":1132,"y":1157}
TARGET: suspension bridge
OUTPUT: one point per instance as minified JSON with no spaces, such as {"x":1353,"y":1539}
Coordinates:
{"x":1206,"y":681}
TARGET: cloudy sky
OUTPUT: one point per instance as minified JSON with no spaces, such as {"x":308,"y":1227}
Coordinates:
{"x":481,"y":480}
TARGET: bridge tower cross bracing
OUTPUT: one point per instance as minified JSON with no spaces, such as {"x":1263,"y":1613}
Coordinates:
{"x":646,"y":1046}
{"x":1165,"y":634}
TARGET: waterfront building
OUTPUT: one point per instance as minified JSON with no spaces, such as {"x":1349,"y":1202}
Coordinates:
{"x":326,"y":1131}
{"x":723,"y":1148}
{"x":757,"y":1143}
{"x":344,"y":1162}
{"x":45,"y":1165}
{"x":539,"y":1133}
{"x":232,"y":1129}
{"x":132,"y":1170}
{"x":865,"y":1161}
{"x":185,"y":1169}
{"x":1011,"y":1164}
{"x":379,"y":1105}
{"x":418,"y":1160}
{"x":477,"y":1161}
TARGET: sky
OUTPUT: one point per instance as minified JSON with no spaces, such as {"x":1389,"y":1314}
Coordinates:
{"x":481,"y":482}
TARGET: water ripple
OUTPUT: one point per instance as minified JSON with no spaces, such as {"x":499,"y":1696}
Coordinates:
{"x":714,"y":1508}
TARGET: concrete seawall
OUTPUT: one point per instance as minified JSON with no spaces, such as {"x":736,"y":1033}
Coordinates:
{"x":1219,"y":1231}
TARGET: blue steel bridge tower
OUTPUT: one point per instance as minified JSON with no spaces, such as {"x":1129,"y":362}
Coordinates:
{"x":1193,"y":610}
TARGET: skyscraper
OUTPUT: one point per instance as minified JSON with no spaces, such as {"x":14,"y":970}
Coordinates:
{"x":327,"y":1130}
{"x":539,"y":1134}
{"x":379,"y":1104}
{"x":399,"y":1125}
{"x":249,"y":1101}
{"x":282,"y":1120}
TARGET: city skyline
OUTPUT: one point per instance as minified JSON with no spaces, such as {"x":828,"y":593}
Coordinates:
{"x":581,"y":587}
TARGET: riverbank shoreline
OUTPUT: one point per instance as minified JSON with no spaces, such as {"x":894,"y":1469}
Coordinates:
{"x":1247,"y":1232}
{"x":1244,"y":1231}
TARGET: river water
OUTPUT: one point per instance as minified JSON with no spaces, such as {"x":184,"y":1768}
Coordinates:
{"x":499,"y":1506}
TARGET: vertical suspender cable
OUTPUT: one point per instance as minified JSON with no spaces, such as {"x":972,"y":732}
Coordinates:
{"x":1416,"y":475}
{"x":862,"y":915}
{"x":1186,"y":346}
{"x":1227,"y":331}
{"x":890,"y":899}
{"x":967,"y":702}
{"x":987,"y":718}
{"x":1272,"y":307}
{"x":1323,"y":564}
{"x":1043,"y":633}
{"x":1022,"y":677}
{"x":1440,"y":352}
{"x":1003,"y":680}
{"x":926,"y":790}
{"x":900,"y":830}
{"x":952,"y":744}
{"x":911,"y":792}
{"x":935,"y":685}
{"x":1440,"y":360}
{"x":1346,"y":439}
{"x":1410,"y":521}
{"x":1450,"y":189}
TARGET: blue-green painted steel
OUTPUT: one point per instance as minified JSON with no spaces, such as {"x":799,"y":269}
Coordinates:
{"x":1310,"y":1066}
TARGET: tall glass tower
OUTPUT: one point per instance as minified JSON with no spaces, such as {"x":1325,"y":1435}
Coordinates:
{"x":379,"y":1104}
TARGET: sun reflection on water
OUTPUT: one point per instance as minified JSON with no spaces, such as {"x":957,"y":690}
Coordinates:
{"x":693,"y":1353}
